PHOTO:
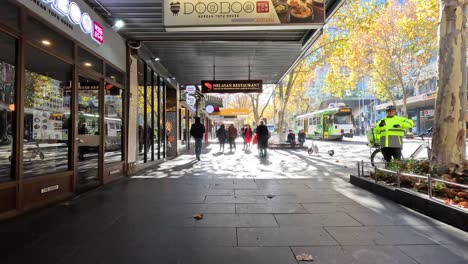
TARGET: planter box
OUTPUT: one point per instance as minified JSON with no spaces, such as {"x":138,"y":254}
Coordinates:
{"x":430,"y":207}
{"x":370,"y":185}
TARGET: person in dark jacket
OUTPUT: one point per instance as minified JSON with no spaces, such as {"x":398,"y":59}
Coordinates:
{"x":262,"y":137}
{"x":301,"y":137}
{"x":232,"y":134}
{"x":221,"y":134}
{"x":291,"y":138}
{"x":196,"y":131}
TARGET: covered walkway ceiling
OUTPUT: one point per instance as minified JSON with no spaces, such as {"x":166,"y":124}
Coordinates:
{"x":194,"y":56}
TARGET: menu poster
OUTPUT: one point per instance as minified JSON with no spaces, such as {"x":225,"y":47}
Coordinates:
{"x":45,"y":126}
{"x":48,"y":113}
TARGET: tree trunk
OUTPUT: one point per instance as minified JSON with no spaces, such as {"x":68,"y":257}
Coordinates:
{"x":448,"y":144}
{"x":404,"y":108}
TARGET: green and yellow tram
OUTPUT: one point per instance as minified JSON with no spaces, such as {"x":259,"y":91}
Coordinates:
{"x":331,"y":123}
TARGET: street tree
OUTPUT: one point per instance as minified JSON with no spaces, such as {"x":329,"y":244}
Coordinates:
{"x":293,"y":85}
{"x":258,"y":105}
{"x":388,"y":42}
{"x":448,"y":144}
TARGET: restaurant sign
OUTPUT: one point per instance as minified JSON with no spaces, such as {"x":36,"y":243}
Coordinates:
{"x":232,"y":86}
{"x":212,"y":15}
{"x":63,"y":9}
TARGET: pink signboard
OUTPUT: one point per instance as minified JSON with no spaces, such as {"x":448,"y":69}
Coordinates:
{"x":98,"y":33}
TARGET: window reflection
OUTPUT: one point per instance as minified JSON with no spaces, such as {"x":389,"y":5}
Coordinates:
{"x":89,"y":61}
{"x":113,"y":123}
{"x":114,"y":74}
{"x":7,"y":105}
{"x":47,"y":38}
{"x":155,"y":117}
{"x":9,"y":14}
{"x":47,"y":121}
{"x":149,"y":115}
{"x":88,"y":132}
{"x":141,"y":109}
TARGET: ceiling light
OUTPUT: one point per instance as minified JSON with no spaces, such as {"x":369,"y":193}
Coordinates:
{"x":112,"y":77}
{"x":156,"y":59}
{"x":88,"y":64}
{"x":119,"y":24}
{"x":46,"y":42}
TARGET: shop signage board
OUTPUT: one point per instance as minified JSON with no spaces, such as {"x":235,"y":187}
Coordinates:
{"x":209,"y":109}
{"x":72,"y":11}
{"x":232,"y":86}
{"x":190,"y":100}
{"x":214,"y":15}
{"x":76,"y":20}
{"x":190,"y":89}
{"x":427,"y":113}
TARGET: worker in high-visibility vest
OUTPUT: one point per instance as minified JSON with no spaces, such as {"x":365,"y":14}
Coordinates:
{"x":391,"y":130}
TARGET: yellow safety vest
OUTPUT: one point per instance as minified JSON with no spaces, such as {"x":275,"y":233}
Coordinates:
{"x":391,"y":137}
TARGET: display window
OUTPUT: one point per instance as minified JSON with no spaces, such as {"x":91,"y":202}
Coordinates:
{"x":115,"y":75}
{"x":47,"y":122}
{"x":155,"y":115}
{"x":7,"y":105}
{"x":48,"y":39}
{"x":141,"y":112}
{"x":9,"y":14}
{"x":113,"y":123}
{"x":88,"y":132}
{"x":88,"y":61}
{"x":149,"y":115}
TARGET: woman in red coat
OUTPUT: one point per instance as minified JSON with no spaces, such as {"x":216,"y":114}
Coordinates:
{"x":248,"y":134}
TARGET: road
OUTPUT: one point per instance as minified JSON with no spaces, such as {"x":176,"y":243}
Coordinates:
{"x":352,"y":150}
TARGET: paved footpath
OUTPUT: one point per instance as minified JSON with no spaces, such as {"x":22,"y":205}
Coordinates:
{"x":262,"y":211}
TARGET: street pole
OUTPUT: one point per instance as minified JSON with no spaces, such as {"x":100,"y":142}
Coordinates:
{"x":359,"y":114}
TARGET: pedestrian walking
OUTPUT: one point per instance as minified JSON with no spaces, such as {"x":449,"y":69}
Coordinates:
{"x":391,"y":130}
{"x":232,"y":134}
{"x":247,"y":135}
{"x":221,"y":134}
{"x":262,"y":138}
{"x":196,"y":131}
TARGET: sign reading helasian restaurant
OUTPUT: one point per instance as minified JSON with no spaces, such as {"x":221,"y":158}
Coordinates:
{"x":63,"y":9}
{"x":232,"y":86}
{"x":243,"y":14}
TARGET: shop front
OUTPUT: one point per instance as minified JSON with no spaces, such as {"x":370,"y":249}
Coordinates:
{"x":153,"y":112}
{"x":62,"y":110}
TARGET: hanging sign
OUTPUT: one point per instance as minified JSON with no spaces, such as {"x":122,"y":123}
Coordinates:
{"x":209,"y":109}
{"x":218,"y":15}
{"x":232,"y":86}
{"x":190,"y":89}
{"x":190,"y":100}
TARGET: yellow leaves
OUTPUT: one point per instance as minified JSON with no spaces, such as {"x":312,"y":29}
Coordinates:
{"x":384,"y":41}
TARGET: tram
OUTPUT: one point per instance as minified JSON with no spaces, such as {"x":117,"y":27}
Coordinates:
{"x":332,"y":123}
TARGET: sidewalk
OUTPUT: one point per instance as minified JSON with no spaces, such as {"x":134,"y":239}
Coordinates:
{"x":262,"y":211}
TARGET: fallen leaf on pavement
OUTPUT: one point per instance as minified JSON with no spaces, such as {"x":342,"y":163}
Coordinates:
{"x":304,"y":257}
{"x":198,"y":216}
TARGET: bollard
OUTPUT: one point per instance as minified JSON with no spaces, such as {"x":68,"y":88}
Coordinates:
{"x":398,"y":179}
{"x":362,"y":168}
{"x":429,"y":186}
{"x":358,"y":170}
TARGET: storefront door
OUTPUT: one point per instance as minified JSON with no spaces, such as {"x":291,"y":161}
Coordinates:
{"x":89,"y":133}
